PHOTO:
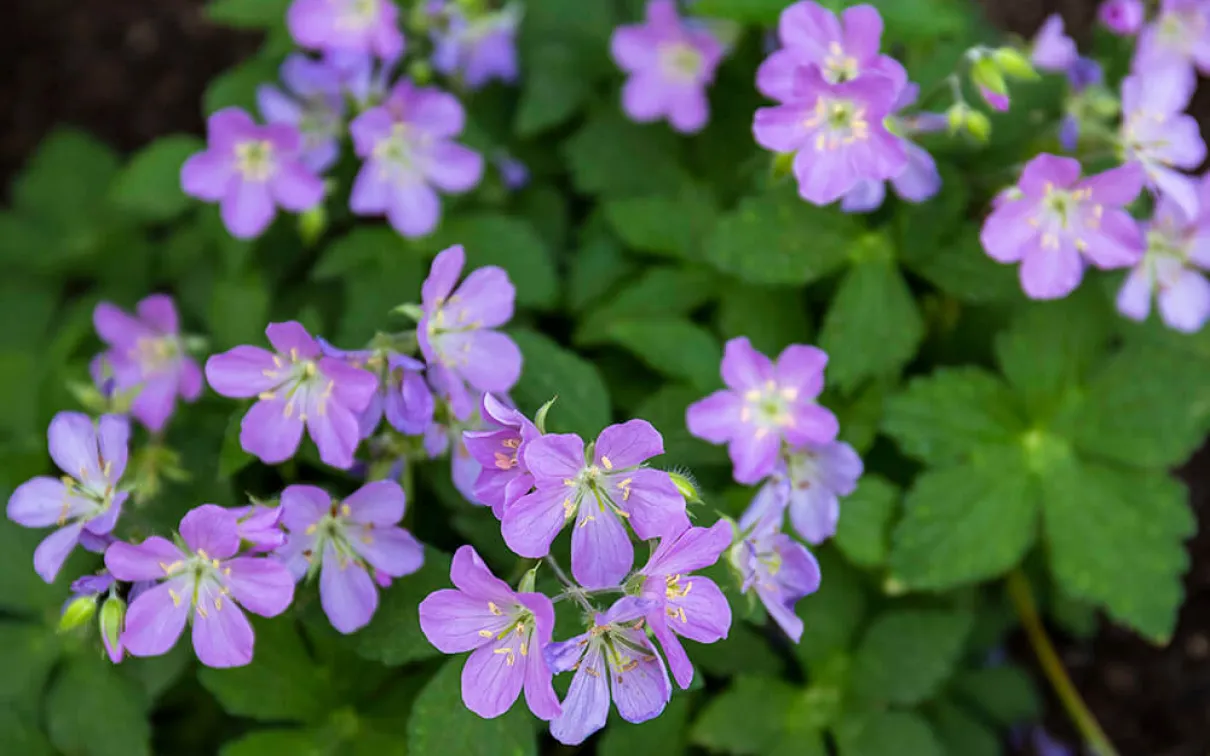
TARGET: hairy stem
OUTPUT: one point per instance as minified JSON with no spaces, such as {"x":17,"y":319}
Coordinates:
{"x":1027,"y":609}
{"x":571,"y":590}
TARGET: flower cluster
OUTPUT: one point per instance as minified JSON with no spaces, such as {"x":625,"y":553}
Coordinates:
{"x":1054,"y":223}
{"x":840,"y":110}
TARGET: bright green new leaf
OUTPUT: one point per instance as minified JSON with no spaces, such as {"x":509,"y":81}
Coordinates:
{"x":675,"y":347}
{"x":393,"y":636}
{"x":771,"y":317}
{"x":671,"y":225}
{"x":583,"y":405}
{"x":887,"y":732}
{"x":776,"y":238}
{"x":908,"y":654}
{"x":941,"y":418}
{"x":873,"y":325}
{"x":657,"y":292}
{"x":93,"y":710}
{"x":746,"y":719}
{"x":509,"y":242}
{"x":865,"y":516}
{"x":1116,"y":538}
{"x":441,"y":724}
{"x":149,"y":186}
{"x":613,"y":157}
{"x":965,"y":524}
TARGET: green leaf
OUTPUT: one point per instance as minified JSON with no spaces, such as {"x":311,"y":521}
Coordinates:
{"x":1048,"y":349}
{"x":372,"y":291}
{"x":965,"y":524}
{"x":665,"y":409}
{"x":550,"y":370}
{"x":66,"y":181}
{"x":393,"y":637}
{"x":231,"y":456}
{"x":236,"y":87}
{"x":907,"y":655}
{"x":777,"y":238}
{"x":675,"y":347}
{"x":873,"y":326}
{"x":772,"y":317}
{"x":665,"y":735}
{"x":961,"y":268}
{"x":92,"y":709}
{"x":553,"y":89}
{"x":597,"y":266}
{"x":832,"y":615}
{"x":1144,"y":408}
{"x":942,"y":417}
{"x":19,"y":734}
{"x":659,"y":291}
{"x":149,"y":186}
{"x":283,"y":682}
{"x":862,"y":531}
{"x":756,"y":12}
{"x":441,"y":724}
{"x":239,"y":309}
{"x":746,"y":718}
{"x":248,"y":14}
{"x":19,"y":419}
{"x":1005,"y":695}
{"x":888,"y":732}
{"x":1094,"y":515}
{"x":612,"y":157}
{"x":672,"y":225}
{"x":363,"y":247}
{"x":27,"y":653}
{"x":277,"y":742}
{"x":962,"y":734}
{"x":512,"y":244}
{"x":743,"y":652}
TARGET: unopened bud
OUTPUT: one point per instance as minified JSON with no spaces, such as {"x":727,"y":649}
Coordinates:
{"x":77,"y":612}
{"x":987,"y":77}
{"x":686,"y":487}
{"x":312,"y":223}
{"x":529,"y":579}
{"x":543,"y":411}
{"x":978,"y":126}
{"x":1014,"y":64}
{"x":421,"y":72}
{"x":113,"y":619}
{"x":413,"y":311}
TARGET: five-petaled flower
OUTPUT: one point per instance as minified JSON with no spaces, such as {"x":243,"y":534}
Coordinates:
{"x":360,"y":26}
{"x":817,"y":475}
{"x":599,"y":493}
{"x":1052,"y":221}
{"x":763,"y":405}
{"x":841,"y":49}
{"x":687,"y":605}
{"x":837,"y":132}
{"x":352,"y":543}
{"x":86,"y":499}
{"x":297,"y":386}
{"x":249,"y":170}
{"x":403,"y":394}
{"x":205,"y":583}
{"x":614,"y":655}
{"x":1161,"y":138}
{"x":313,"y":103}
{"x":478,"y":48}
{"x":504,"y":477}
{"x":408,"y":148}
{"x":670,"y":63}
{"x":506,"y":630}
{"x":145,"y":352}
{"x":1177,"y":41}
{"x":457,"y":331}
{"x":1052,"y":49}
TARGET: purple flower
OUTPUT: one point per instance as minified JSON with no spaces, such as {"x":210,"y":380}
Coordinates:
{"x":837,"y":132}
{"x":85,"y":500}
{"x":507,"y":632}
{"x":346,"y":541}
{"x":670,"y":64}
{"x":145,"y":352}
{"x":477,"y":49}
{"x":1052,"y":49}
{"x":1158,"y":136}
{"x":682,"y":604}
{"x":408,"y":147}
{"x":763,"y":405}
{"x":1123,"y":17}
{"x":919,"y":180}
{"x":504,"y":477}
{"x":601,"y":493}
{"x":313,"y":103}
{"x":249,"y":170}
{"x":1178,"y":39}
{"x":403,"y":395}
{"x":817,"y":475}
{"x":996,"y":100}
{"x":363,"y":26}
{"x":259,"y":526}
{"x":1082,"y":74}
{"x":780,"y":569}
{"x":1177,"y":250}
{"x":842,"y":50}
{"x":362,"y":77}
{"x":1054,"y":221}
{"x":295,"y":387}
{"x":457,"y":332}
{"x":206,"y":584}
{"x":613,"y":656}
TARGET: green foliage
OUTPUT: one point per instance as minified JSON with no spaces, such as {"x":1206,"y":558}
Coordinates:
{"x":440,"y":723}
{"x":872,"y":733}
{"x":93,"y":710}
{"x":906,"y":656}
{"x":149,"y":186}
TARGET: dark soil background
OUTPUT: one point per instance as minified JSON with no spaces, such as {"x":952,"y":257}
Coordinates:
{"x":131,"y":70}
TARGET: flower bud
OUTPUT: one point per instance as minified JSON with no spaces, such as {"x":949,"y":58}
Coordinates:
{"x":686,"y":487}
{"x":987,"y":77}
{"x":1012,"y":63}
{"x":421,"y":72}
{"x":311,"y":224}
{"x":543,"y":411}
{"x":113,"y":619}
{"x":979,"y":126}
{"x":529,"y":579}
{"x":77,"y":612}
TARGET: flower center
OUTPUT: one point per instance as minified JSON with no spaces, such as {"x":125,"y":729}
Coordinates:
{"x":254,"y":159}
{"x":156,"y":353}
{"x":839,"y":67}
{"x":358,"y":15}
{"x":397,"y":149}
{"x":837,"y":123}
{"x":768,"y":407}
{"x":680,"y":61}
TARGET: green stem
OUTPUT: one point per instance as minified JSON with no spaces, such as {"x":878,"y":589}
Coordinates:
{"x":1027,"y":609}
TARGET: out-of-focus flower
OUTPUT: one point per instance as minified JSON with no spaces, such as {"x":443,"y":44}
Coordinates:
{"x":919,"y":180}
{"x":504,"y":477}
{"x":1175,"y":42}
{"x":362,"y":26}
{"x":1052,"y":49}
{"x":313,"y":102}
{"x":1159,"y":136}
{"x":1123,"y":17}
{"x":477,"y":48}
